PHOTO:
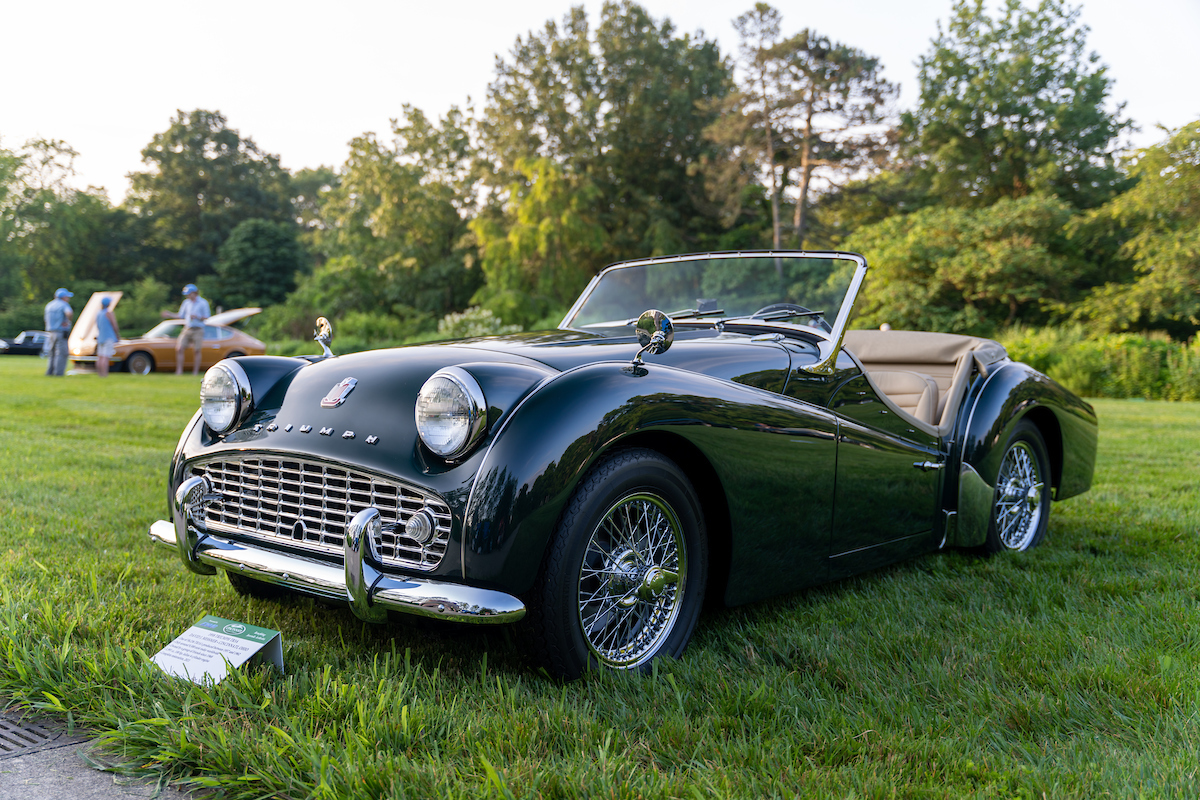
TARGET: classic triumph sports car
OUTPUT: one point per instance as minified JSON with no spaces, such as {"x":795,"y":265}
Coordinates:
{"x":601,"y":480}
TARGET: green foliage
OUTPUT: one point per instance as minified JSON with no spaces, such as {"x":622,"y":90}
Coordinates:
{"x":257,"y":265}
{"x":806,"y":105}
{"x":140,"y":307}
{"x":1013,"y":105}
{"x":1160,"y":222}
{"x":545,"y":246}
{"x":969,"y":270}
{"x":1150,"y":366}
{"x":52,"y":235}
{"x":475,"y":321}
{"x":619,"y":113}
{"x":397,"y":211}
{"x":338,"y":287}
{"x":203,"y":179}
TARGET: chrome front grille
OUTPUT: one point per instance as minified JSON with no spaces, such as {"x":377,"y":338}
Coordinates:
{"x":308,"y":504}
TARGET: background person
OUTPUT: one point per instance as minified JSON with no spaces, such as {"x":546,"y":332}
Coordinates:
{"x":107,"y":334}
{"x":58,"y":316}
{"x":193,"y":312}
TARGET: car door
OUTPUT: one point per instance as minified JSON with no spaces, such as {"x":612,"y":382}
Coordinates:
{"x":888,"y":475}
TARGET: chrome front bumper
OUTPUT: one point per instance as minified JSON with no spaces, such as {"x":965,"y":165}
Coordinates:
{"x":370,"y":593}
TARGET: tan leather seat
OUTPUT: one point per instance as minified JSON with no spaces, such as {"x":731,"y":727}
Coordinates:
{"x":914,"y":392}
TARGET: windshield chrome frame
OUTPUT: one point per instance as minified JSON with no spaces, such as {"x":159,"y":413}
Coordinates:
{"x":830,"y":343}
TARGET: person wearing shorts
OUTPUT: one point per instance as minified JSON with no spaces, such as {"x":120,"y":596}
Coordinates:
{"x":107,"y":334}
{"x":193,"y":312}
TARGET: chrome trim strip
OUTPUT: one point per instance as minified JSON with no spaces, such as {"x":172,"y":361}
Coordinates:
{"x":420,"y":596}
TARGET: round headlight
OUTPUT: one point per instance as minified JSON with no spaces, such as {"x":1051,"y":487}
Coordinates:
{"x":225,"y":396}
{"x":451,"y":412}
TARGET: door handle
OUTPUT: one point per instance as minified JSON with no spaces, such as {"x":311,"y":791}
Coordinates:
{"x":925,"y":466}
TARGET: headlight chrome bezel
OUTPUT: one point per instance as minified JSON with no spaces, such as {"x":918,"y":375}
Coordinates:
{"x":476,"y":410}
{"x":243,"y":395}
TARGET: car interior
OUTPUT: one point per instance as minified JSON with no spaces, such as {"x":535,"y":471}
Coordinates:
{"x":922,"y":375}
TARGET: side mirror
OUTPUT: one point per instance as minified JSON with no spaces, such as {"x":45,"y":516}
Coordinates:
{"x":323,"y":335}
{"x":655,"y":332}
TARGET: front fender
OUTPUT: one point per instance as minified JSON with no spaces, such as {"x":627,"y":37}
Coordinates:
{"x":1005,"y":397}
{"x":561,"y":429}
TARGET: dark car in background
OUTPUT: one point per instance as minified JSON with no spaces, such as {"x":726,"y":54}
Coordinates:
{"x":600,"y":481}
{"x":25,"y":343}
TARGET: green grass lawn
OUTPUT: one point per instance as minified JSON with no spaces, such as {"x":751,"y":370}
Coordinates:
{"x":1070,"y":671}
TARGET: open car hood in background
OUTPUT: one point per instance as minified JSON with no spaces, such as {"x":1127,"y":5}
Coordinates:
{"x":83,"y":334}
{"x":231,"y":316}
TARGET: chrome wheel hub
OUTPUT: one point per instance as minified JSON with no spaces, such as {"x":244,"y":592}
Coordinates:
{"x":1019,"y":497}
{"x":631,"y":580}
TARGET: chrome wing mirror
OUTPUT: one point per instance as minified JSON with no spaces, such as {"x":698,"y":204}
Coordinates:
{"x":655,"y":332}
{"x":323,"y":335}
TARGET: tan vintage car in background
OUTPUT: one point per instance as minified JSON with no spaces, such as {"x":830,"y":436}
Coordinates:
{"x":155,"y":349}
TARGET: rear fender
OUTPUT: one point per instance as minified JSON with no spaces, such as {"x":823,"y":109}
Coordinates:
{"x":1006,"y":396}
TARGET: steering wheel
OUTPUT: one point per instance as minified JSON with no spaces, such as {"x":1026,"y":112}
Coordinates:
{"x":818,"y":319}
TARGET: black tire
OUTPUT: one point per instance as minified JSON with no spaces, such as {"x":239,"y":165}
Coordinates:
{"x":235,"y":354}
{"x":1021,"y":502}
{"x":252,"y":587}
{"x":624,"y":576}
{"x":140,"y":363}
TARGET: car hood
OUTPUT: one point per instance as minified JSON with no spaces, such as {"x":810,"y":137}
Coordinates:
{"x":231,"y":316}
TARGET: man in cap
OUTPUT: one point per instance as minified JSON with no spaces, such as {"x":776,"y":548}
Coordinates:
{"x":107,"y":334}
{"x":58,"y":316}
{"x":193,"y":312}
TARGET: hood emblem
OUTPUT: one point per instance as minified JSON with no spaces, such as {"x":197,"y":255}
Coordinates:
{"x":337,"y":395}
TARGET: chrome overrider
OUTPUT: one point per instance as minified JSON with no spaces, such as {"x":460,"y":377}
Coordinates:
{"x":370,"y":593}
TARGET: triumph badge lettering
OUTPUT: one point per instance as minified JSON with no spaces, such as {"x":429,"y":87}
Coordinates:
{"x":337,"y":395}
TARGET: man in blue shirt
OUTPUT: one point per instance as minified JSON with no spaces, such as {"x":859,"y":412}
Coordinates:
{"x":193,"y":312}
{"x":58,"y":316}
{"x":107,"y":335}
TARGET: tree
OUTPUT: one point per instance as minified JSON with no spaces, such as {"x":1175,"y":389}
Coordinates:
{"x":52,"y":235}
{"x":204,"y":179}
{"x":836,"y":104}
{"x":971,"y":270}
{"x":257,"y":265}
{"x":803,"y":104}
{"x":542,"y":249}
{"x":750,"y":119}
{"x":1012,"y":106}
{"x":390,"y":234}
{"x":1159,"y":220}
{"x":616,"y":112}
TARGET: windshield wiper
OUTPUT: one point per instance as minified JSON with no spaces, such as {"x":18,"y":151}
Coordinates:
{"x":687,"y":313}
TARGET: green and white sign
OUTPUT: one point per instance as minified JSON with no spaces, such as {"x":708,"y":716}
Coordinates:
{"x":206,"y":651}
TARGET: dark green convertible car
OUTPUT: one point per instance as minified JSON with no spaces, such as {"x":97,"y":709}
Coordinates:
{"x":598,"y":482}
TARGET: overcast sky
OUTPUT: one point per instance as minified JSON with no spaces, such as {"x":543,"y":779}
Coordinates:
{"x":303,"y":78}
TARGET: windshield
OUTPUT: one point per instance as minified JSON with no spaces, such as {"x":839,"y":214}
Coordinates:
{"x":164,"y":330}
{"x":719,"y":286}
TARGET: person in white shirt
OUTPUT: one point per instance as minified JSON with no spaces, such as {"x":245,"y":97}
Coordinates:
{"x":193,"y":312}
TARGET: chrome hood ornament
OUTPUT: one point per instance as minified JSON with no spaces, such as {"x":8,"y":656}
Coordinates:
{"x":323,"y":335}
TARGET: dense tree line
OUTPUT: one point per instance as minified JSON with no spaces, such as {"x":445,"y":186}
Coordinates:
{"x":1001,"y":197}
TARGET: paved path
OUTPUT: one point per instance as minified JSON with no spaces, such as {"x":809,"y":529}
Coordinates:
{"x":39,"y":760}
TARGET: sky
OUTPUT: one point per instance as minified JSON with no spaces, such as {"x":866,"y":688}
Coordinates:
{"x":303,"y":78}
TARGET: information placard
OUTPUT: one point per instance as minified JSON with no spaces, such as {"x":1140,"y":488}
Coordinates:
{"x":206,"y":651}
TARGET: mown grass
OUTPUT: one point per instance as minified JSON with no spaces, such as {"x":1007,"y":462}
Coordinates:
{"x":1071,"y":671}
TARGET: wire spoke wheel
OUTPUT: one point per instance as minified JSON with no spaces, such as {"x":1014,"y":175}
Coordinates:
{"x":633,"y":574}
{"x":1021,"y":505}
{"x":624,"y":575}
